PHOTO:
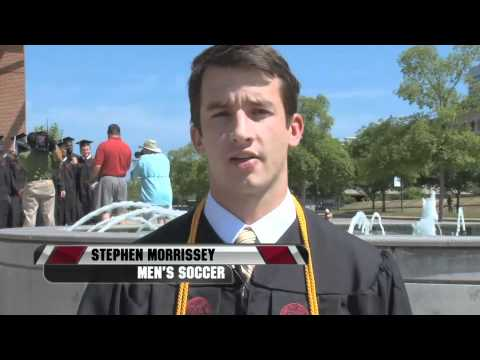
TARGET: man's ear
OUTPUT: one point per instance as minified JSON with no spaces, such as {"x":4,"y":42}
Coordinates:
{"x":197,"y":139}
{"x":297,"y":128}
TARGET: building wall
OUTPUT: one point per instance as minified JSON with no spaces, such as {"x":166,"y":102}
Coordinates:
{"x":12,"y":90}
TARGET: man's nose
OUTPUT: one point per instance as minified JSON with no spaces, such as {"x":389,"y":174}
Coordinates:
{"x":243,"y":131}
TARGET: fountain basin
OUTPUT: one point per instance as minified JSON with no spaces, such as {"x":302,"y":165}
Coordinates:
{"x":442,"y":274}
{"x":23,"y":289}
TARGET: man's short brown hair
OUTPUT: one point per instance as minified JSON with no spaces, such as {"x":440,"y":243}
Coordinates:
{"x":113,"y":129}
{"x":261,"y":57}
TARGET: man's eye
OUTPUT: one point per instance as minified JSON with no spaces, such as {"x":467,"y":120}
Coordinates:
{"x":221,"y":114}
{"x":261,"y":112}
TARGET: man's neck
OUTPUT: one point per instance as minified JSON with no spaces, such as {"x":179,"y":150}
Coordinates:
{"x":250,"y":208}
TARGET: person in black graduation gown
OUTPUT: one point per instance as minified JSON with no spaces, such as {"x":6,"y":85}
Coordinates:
{"x":7,"y":191}
{"x":86,"y":165}
{"x":244,"y":119}
{"x":59,"y":190}
{"x":67,"y":179}
{"x":19,"y":182}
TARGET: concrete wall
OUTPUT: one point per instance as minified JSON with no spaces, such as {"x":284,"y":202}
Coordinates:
{"x":23,"y":289}
{"x":442,"y":275}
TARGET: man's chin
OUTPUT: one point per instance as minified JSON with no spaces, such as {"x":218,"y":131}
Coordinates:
{"x":249,"y":185}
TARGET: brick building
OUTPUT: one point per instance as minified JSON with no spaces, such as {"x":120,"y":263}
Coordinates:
{"x":12,"y":90}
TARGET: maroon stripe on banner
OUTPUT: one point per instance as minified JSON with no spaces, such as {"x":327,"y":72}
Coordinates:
{"x":66,"y":255}
{"x":277,"y":255}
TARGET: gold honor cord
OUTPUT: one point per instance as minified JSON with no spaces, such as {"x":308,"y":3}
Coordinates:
{"x":182,"y":299}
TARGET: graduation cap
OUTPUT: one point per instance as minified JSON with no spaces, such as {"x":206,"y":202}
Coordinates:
{"x":84,"y":142}
{"x":21,"y":136}
{"x":67,"y":139}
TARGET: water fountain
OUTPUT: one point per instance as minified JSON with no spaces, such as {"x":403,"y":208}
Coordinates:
{"x":460,"y":222}
{"x":379,"y":219}
{"x":24,"y":290}
{"x":145,"y":216}
{"x":360,"y":221}
{"x":429,"y":219}
{"x":441,"y":272}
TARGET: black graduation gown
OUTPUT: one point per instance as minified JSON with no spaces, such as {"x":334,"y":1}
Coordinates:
{"x":67,"y":209}
{"x":352,"y":277}
{"x":85,"y":193}
{"x":6,"y":191}
{"x":19,"y":182}
{"x":59,"y":202}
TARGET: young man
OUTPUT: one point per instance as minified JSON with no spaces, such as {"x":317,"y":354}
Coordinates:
{"x":69,"y":203}
{"x":244,"y":119}
{"x":86,"y":164}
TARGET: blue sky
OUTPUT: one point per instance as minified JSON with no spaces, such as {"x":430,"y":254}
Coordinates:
{"x":144,"y":88}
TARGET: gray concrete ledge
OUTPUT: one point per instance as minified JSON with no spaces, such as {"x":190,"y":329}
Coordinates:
{"x":422,"y":241}
{"x":56,"y":235}
{"x":442,"y":274}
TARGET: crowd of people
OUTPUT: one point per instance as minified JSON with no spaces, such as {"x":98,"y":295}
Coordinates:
{"x":45,"y":183}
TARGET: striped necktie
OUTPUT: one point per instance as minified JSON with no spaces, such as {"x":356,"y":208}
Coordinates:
{"x":247,"y":237}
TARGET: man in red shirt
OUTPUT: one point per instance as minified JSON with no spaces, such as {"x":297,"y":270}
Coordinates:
{"x":112,"y":163}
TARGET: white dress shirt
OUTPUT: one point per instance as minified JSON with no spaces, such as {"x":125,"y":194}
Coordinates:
{"x":269,"y":229}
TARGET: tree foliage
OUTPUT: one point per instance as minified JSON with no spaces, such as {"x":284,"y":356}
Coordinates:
{"x":189,"y":174}
{"x":320,"y":165}
{"x":432,"y":83}
{"x":54,"y":131}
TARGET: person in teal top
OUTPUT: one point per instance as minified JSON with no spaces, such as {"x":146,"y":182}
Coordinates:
{"x":153,"y":169}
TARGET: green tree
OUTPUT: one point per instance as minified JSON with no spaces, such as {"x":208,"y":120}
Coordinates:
{"x":54,"y":131}
{"x":189,"y":174}
{"x":302,"y":168}
{"x":363,"y":150}
{"x":389,"y":148}
{"x":134,"y":189}
{"x":335,"y":168}
{"x":431,"y":82}
{"x":320,"y":165}
{"x":460,"y":181}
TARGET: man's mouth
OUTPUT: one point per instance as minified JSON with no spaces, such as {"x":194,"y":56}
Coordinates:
{"x":245,"y":161}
